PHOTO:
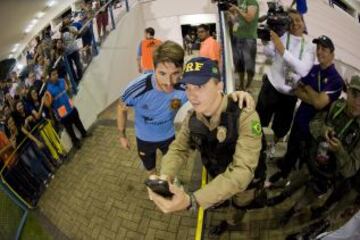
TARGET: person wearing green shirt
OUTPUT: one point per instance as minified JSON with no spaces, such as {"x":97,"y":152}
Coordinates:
{"x":244,"y":42}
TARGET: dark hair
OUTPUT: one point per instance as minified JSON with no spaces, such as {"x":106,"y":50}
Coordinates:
{"x":169,"y":51}
{"x":150,"y":31}
{"x":29,"y":97}
{"x":50,"y":70}
{"x":16,"y":102}
{"x":205,"y":27}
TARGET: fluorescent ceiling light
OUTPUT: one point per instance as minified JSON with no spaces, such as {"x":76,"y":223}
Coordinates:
{"x":40,"y":15}
{"x":34,"y":21}
{"x":51,"y":3}
{"x":28,"y":29}
{"x":31,"y":25}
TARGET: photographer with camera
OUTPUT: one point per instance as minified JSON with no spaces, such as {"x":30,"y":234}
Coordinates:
{"x":244,"y":42}
{"x":292,"y":58}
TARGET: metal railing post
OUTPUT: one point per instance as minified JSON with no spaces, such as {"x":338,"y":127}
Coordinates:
{"x":71,"y":76}
{"x":93,"y":41}
{"x":127,"y":5}
{"x":112,"y":16}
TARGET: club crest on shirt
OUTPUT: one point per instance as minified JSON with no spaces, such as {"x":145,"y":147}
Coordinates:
{"x":175,"y":104}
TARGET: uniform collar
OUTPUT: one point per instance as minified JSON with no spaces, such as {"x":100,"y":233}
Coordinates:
{"x":214,"y":120}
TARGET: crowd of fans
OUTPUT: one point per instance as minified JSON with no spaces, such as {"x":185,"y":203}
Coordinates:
{"x":36,"y":101}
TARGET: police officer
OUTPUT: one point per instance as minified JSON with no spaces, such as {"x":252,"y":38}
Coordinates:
{"x":228,"y":139}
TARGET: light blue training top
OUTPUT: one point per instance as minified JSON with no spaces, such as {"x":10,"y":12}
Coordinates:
{"x":154,"y":116}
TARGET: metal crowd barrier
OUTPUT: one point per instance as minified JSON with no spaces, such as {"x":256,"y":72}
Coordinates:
{"x":13,"y":206}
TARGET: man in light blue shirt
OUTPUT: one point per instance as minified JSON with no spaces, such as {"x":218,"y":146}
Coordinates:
{"x":155,"y":101}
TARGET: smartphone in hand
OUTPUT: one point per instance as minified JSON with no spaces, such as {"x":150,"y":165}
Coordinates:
{"x":159,"y":186}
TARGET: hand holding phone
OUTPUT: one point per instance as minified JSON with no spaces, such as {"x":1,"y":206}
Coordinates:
{"x":159,"y":186}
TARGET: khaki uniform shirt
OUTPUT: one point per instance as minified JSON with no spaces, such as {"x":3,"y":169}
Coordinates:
{"x":348,"y":163}
{"x":239,"y":172}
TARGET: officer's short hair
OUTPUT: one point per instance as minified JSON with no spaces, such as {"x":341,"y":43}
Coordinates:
{"x":169,"y":51}
{"x":150,"y":31}
{"x":205,"y":27}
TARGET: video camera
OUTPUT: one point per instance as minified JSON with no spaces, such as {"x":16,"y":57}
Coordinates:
{"x":277,"y":20}
{"x":224,"y":5}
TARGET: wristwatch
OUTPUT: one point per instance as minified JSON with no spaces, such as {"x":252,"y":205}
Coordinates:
{"x":193,"y":206}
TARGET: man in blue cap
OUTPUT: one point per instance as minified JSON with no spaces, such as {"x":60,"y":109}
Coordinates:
{"x":228,"y":139}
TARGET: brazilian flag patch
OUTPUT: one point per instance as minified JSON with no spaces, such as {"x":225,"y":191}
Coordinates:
{"x":256,"y":128}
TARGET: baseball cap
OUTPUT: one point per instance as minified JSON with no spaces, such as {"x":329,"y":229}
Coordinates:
{"x":355,"y":82}
{"x":325,"y":42}
{"x":199,"y":70}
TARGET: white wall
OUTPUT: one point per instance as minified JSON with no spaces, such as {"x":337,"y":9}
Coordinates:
{"x":166,"y":16}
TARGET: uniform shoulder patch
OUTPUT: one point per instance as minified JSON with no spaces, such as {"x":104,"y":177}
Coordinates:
{"x":256,"y":127}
